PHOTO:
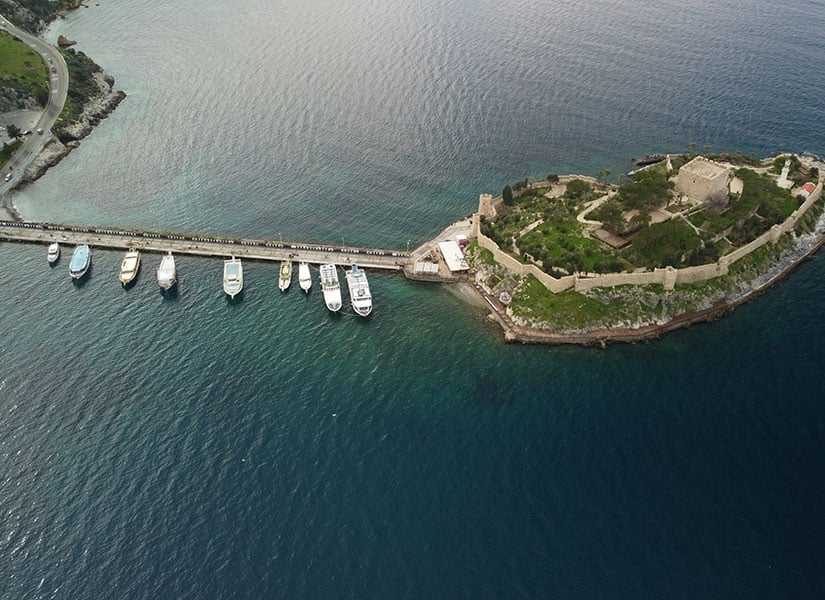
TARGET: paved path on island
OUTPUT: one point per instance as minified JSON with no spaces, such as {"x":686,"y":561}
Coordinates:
{"x":58,"y":88}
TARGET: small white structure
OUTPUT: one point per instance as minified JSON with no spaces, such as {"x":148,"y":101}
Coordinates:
{"x":703,"y":180}
{"x":783,"y":180}
{"x":453,"y":256}
{"x":424,"y":267}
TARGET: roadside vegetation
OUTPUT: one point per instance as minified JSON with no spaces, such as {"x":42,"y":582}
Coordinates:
{"x":7,"y":151}
{"x":23,"y":73}
{"x":47,"y":9}
{"x":82,"y":86}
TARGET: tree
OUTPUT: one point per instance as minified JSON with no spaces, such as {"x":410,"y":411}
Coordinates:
{"x":552,"y":178}
{"x":13,"y":131}
{"x":507,"y":195}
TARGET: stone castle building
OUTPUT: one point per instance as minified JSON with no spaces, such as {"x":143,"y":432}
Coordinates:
{"x":704,"y":181}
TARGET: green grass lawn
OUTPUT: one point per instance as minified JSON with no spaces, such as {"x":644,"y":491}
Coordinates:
{"x":567,"y":309}
{"x":663,"y":244}
{"x":23,"y":69}
{"x":560,"y":244}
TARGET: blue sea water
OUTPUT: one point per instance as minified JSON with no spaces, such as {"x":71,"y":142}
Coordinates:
{"x":188,"y":447}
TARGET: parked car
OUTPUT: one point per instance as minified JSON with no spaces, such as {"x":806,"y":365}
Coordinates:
{"x":8,"y":177}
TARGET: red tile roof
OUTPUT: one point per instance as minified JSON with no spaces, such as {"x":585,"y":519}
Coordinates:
{"x":809,"y":187}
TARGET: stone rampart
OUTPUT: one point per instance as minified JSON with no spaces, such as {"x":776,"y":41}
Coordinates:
{"x":667,"y":277}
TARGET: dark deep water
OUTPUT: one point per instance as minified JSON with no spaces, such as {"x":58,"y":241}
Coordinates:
{"x":189,"y":447}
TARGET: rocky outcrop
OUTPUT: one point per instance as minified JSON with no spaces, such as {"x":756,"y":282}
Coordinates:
{"x":52,"y":153}
{"x":97,"y":109}
{"x":68,"y":137}
{"x":65,"y":42}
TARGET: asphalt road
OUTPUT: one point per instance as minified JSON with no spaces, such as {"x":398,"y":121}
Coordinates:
{"x":58,"y":87}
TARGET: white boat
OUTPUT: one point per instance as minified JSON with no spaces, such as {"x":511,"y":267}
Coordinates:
{"x":167,"y":274}
{"x":232,"y":277}
{"x":129,"y":267}
{"x":359,"y":291}
{"x":331,"y":288}
{"x":285,"y":275}
{"x":304,"y":277}
{"x":54,"y":253}
{"x":81,"y":260}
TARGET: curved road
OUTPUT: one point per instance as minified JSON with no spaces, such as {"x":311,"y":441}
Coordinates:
{"x":58,"y":87}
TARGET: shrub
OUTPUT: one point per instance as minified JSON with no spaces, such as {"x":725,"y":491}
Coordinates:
{"x":507,"y":195}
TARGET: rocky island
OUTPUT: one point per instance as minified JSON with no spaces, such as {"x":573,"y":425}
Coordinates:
{"x":575,"y":259}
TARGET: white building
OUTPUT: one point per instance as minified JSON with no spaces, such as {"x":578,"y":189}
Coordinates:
{"x":453,"y":256}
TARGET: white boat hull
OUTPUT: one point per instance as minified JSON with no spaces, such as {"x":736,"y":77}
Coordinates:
{"x":167,"y":274}
{"x":232,"y":277}
{"x":54,"y":254}
{"x":129,"y":267}
{"x":359,"y":292}
{"x":331,"y":287}
{"x":304,"y":277}
{"x":332,"y":298}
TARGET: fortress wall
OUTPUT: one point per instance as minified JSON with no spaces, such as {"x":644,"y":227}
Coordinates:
{"x":615,"y":279}
{"x":666,"y":277}
{"x":700,"y":273}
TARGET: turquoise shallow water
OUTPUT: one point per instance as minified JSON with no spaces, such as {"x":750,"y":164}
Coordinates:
{"x":188,"y":447}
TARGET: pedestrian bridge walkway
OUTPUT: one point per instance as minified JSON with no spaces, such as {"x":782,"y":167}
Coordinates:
{"x":203,"y":245}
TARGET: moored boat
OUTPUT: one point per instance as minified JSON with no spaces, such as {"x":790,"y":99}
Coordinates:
{"x":285,"y":275}
{"x":129,"y":267}
{"x":331,"y":287}
{"x":81,"y":259}
{"x":232,"y":277}
{"x":359,"y":291}
{"x":304,"y":277}
{"x":167,"y":273}
{"x":54,"y":253}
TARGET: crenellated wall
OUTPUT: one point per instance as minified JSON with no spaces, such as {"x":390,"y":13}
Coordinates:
{"x":668,"y":277}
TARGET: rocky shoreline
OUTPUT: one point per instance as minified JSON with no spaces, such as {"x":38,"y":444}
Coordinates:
{"x":68,"y":138}
{"x":803,"y":249}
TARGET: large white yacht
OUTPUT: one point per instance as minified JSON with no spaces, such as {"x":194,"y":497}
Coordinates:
{"x":359,"y":291}
{"x":304,"y":277}
{"x":129,"y":267}
{"x":54,"y":253}
{"x":167,"y":274}
{"x":232,"y":277}
{"x":331,"y":288}
{"x":81,"y":259}
{"x":285,"y":275}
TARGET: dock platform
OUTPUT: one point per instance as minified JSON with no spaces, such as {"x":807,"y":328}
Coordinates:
{"x":203,"y":245}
